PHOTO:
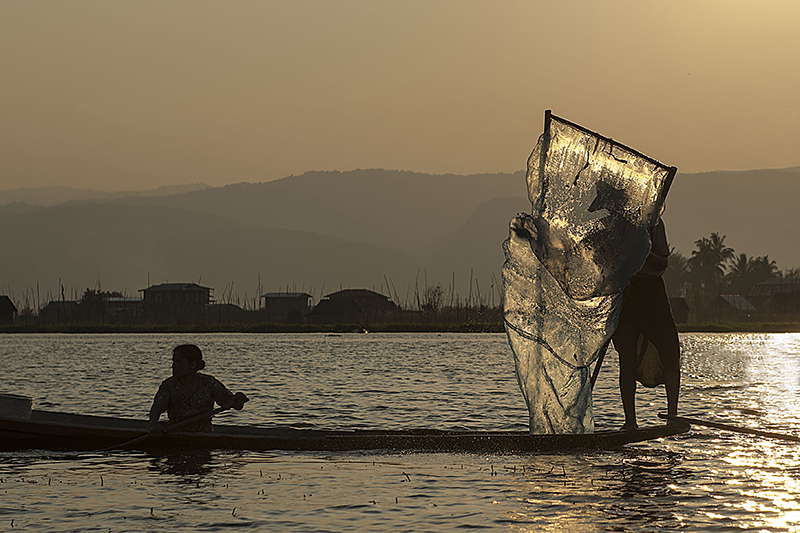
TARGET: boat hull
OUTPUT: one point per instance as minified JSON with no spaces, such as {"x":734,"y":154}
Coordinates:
{"x":67,"y":432}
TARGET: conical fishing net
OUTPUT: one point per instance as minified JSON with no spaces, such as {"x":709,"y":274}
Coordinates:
{"x":592,"y":203}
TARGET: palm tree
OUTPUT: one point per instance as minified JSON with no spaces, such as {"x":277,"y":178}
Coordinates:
{"x":708,"y":261}
{"x":740,"y":273}
{"x":741,"y":264}
{"x":707,"y":268}
{"x":677,"y":275}
{"x":720,"y":252}
{"x":766,"y":268}
{"x":746,"y":271}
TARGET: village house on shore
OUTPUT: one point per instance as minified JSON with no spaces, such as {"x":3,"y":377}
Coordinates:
{"x":192,"y":303}
{"x":7,"y":310}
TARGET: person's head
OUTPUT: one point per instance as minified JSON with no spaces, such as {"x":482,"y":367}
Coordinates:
{"x":187,"y":359}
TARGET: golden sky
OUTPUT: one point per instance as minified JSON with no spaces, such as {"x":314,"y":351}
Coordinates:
{"x":133,"y":95}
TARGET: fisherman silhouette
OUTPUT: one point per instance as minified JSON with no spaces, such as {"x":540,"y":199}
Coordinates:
{"x":188,"y":393}
{"x":647,"y":337}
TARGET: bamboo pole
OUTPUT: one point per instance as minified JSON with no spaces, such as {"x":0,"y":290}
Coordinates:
{"x":730,"y":427}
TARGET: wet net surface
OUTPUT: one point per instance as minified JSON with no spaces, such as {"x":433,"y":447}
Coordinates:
{"x":567,"y":262}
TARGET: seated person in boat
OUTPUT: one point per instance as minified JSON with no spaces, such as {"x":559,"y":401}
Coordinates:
{"x":647,"y":337}
{"x":188,"y":393}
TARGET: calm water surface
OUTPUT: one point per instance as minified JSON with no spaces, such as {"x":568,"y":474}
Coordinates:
{"x":703,"y":481}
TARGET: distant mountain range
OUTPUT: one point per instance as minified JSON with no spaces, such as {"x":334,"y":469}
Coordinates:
{"x":44,"y":196}
{"x":321,"y":231}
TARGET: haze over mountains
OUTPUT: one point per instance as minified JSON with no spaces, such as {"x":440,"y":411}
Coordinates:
{"x":45,"y":196}
{"x":320,"y":231}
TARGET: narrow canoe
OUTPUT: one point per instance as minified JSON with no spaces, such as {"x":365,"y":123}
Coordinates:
{"x":69,"y":432}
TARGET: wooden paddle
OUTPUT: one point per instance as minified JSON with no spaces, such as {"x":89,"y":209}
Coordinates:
{"x":729,"y":427}
{"x":173,"y":427}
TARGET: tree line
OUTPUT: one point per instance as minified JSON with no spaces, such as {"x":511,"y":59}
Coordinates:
{"x":714,"y":269}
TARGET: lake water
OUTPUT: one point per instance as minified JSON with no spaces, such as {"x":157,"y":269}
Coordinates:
{"x":706,"y":480}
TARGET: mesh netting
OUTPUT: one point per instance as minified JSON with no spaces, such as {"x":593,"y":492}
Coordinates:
{"x":592,"y":203}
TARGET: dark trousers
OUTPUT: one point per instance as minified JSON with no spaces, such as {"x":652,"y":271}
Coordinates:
{"x":646,"y":312}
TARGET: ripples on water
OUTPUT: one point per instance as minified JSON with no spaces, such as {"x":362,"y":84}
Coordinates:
{"x":706,"y":480}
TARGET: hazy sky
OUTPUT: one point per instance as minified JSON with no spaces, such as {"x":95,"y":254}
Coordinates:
{"x":131,"y":95}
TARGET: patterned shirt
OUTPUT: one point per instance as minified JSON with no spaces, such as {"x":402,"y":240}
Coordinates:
{"x":170,"y":398}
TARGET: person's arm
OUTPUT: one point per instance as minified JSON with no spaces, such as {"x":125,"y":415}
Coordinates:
{"x":160,"y":403}
{"x":656,"y":262}
{"x":223,"y":396}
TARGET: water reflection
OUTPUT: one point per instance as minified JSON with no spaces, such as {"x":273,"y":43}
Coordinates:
{"x":614,"y":491}
{"x":748,"y":379}
{"x":189,"y":466}
{"x":707,"y":480}
{"x":644,"y":491}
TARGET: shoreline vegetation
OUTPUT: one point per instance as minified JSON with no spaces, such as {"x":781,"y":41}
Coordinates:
{"x":466,"y":327}
{"x":713,"y":291}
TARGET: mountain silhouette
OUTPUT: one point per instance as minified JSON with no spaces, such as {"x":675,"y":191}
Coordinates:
{"x":321,"y":231}
{"x":117,"y":247}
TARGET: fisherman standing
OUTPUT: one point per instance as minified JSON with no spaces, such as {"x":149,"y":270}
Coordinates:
{"x":647,"y":337}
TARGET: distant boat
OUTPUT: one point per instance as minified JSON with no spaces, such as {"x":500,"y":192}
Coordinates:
{"x":71,"y":432}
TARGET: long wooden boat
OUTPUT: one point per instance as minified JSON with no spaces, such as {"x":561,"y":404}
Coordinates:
{"x":70,"y":432}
